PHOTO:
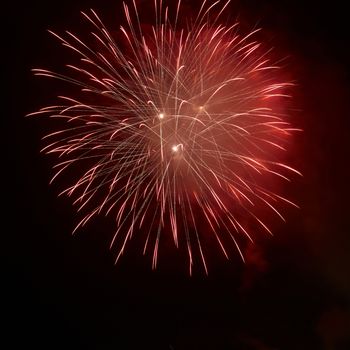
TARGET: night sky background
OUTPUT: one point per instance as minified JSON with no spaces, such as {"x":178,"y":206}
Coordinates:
{"x":64,"y":292}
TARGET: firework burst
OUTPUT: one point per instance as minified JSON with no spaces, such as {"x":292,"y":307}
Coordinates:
{"x":175,"y":130}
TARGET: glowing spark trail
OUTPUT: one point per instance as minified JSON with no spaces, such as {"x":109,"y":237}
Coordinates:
{"x":174,"y":130}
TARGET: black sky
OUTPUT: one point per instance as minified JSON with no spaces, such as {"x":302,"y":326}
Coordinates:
{"x":63,"y":292}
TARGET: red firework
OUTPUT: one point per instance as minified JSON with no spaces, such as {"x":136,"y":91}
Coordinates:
{"x":173,"y":130}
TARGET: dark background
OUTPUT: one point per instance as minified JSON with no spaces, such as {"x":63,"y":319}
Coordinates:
{"x":64,"y":292}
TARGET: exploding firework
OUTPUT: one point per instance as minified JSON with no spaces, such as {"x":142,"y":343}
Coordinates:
{"x":175,"y":130}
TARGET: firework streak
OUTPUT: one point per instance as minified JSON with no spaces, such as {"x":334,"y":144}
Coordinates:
{"x":175,"y":130}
